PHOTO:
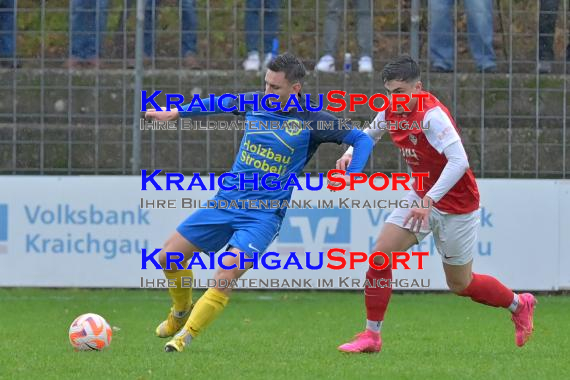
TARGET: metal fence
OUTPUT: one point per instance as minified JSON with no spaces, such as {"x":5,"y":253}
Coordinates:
{"x":66,"y":107}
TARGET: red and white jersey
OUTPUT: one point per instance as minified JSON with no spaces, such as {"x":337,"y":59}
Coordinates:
{"x":423,"y":147}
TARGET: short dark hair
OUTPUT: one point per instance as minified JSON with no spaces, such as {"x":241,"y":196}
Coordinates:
{"x":402,"y":68}
{"x":289,"y":64}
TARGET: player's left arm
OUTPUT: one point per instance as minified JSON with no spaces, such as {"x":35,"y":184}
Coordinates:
{"x":443,"y":137}
{"x":361,"y":143}
{"x":194,"y":110}
{"x":375,"y":132}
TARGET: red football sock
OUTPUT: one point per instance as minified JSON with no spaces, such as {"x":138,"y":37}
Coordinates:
{"x":488,"y":291}
{"x":376,"y":297}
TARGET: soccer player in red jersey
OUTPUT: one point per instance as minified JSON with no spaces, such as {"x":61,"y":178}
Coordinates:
{"x":453,"y":216}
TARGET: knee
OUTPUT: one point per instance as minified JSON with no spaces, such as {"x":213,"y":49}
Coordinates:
{"x":226,"y":274}
{"x":380,"y":259}
{"x":167,"y":247}
{"x":363,"y":10}
{"x":438,"y":9}
{"x":223,"y":280}
{"x":480,"y":10}
{"x":162,"y":258}
{"x":334,"y":11}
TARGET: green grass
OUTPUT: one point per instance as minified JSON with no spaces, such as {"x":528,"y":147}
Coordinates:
{"x":289,"y":335}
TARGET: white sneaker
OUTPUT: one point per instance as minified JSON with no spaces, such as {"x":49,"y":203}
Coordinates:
{"x":252,"y":62}
{"x":326,"y":64}
{"x":268,"y":58}
{"x":365,"y":64}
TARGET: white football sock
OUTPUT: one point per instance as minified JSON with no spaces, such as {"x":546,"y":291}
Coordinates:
{"x":514,"y":304}
{"x":373,"y":325}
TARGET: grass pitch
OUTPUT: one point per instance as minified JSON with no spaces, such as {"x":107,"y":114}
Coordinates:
{"x":283,"y":335}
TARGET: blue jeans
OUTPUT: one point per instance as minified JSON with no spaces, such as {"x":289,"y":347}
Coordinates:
{"x":88,"y":23}
{"x":253,"y":24}
{"x":335,"y":8}
{"x":7,"y":37}
{"x":188,"y":20}
{"x":479,"y":29}
{"x":546,"y":29}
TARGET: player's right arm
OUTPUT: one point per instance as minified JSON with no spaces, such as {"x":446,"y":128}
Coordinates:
{"x":190,"y":110}
{"x":376,"y":132}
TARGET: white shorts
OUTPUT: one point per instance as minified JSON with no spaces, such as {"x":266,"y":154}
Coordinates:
{"x":455,"y":235}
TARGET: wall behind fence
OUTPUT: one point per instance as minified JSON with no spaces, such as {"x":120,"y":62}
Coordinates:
{"x":88,"y":231}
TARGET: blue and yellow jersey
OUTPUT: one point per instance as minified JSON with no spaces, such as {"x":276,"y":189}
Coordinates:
{"x":283,"y":150}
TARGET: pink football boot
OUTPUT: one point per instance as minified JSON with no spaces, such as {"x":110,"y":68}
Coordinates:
{"x":522,"y":318}
{"x":367,"y":341}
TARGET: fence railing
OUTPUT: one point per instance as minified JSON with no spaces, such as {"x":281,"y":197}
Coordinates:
{"x":67,"y":76}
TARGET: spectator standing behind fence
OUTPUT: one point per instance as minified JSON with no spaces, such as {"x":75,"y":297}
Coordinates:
{"x":265,"y":26}
{"x":546,"y":26}
{"x":364,"y":32}
{"x":88,"y":26}
{"x":7,"y":36}
{"x":479,"y":29}
{"x":189,"y":25}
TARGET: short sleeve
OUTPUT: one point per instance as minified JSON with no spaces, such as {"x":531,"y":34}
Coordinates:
{"x":440,"y":131}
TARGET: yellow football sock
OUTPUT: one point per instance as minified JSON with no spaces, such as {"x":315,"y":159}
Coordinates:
{"x":206,"y":310}
{"x":181,"y":296}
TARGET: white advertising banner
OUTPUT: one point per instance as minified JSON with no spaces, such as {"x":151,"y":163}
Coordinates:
{"x":564,"y":236}
{"x":89,"y":231}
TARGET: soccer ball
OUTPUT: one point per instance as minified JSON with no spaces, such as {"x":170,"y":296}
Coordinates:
{"x":90,"y":332}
